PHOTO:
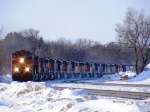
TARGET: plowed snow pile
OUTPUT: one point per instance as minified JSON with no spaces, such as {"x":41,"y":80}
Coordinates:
{"x":36,"y":97}
{"x":143,"y":77}
{"x":5,"y":79}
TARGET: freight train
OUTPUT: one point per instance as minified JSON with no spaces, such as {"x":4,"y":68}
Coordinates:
{"x":27,"y":66}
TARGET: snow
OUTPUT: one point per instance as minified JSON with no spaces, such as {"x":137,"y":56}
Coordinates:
{"x":43,"y":96}
{"x":37,"y":97}
{"x":130,"y":74}
{"x":144,"y":76}
{"x":6,"y":79}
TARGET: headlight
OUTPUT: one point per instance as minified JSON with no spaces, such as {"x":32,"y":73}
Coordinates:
{"x":27,"y":69}
{"x":16,"y":69}
{"x":21,"y":60}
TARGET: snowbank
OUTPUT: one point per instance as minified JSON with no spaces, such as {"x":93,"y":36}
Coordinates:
{"x":129,"y":74}
{"x":39,"y":97}
{"x":144,"y":76}
{"x":6,"y":78}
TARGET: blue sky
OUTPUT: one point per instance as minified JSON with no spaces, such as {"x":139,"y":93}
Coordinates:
{"x":72,"y":19}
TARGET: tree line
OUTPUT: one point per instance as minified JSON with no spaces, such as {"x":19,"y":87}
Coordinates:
{"x":131,"y":47}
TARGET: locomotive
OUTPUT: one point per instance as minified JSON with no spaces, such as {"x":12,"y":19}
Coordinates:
{"x":27,"y":66}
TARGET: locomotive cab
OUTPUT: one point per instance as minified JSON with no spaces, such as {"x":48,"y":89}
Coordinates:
{"x":52,"y":65}
{"x":58,"y":69}
{"x":72,"y":66}
{"x":22,"y":65}
{"x":64,"y":69}
{"x":115,"y":68}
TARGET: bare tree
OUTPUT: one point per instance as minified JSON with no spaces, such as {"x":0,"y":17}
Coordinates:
{"x":30,"y":33}
{"x":34,"y":39}
{"x":135,"y":34}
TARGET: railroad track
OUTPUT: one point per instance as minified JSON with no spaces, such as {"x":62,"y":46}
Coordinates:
{"x":77,"y":81}
{"x":116,"y":93}
{"x":114,"y":84}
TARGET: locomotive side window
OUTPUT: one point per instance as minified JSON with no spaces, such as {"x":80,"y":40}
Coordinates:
{"x":14,"y":56}
{"x":29,"y":56}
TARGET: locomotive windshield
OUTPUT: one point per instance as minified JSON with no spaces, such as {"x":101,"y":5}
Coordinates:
{"x":20,"y":54}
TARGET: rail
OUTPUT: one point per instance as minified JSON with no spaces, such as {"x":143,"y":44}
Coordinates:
{"x":115,"y":93}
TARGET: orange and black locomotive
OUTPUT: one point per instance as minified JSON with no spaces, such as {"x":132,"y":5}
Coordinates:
{"x":22,"y":65}
{"x":27,"y":66}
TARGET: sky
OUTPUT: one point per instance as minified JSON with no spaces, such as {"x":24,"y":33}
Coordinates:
{"x":72,"y":19}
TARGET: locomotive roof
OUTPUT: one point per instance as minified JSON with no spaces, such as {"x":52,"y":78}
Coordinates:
{"x":22,"y":52}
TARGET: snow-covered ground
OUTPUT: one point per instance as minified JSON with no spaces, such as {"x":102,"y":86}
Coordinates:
{"x":36,"y":97}
{"x":44,"y":97}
